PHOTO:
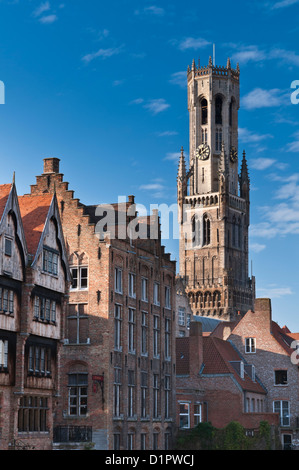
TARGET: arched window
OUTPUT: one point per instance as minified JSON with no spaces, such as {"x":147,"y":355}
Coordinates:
{"x":206,"y":230}
{"x":218,"y":139}
{"x":218,"y":110}
{"x":204,"y":111}
{"x":196,"y":238}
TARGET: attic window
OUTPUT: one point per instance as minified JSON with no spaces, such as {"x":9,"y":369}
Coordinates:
{"x":7,"y":246}
{"x":50,"y":261}
{"x":281,"y":377}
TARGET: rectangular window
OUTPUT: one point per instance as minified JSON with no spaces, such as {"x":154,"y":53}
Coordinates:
{"x":156,"y":336}
{"x":167,"y":339}
{"x":3,"y":353}
{"x":167,"y":396}
{"x":156,"y":294}
{"x":281,"y":377}
{"x":5,"y":300}
{"x":79,"y":277}
{"x":184,"y":415}
{"x":143,"y":441}
{"x":11,"y":302}
{"x":167,"y":297}
{"x":117,"y":390}
{"x":250,"y":345}
{"x":144,"y":290}
{"x":39,"y":360}
{"x":283,"y":408}
{"x":144,"y":388}
{"x":131,"y":393}
{"x":182,"y":313}
{"x":197,"y":414}
{"x":118,"y":281}
{"x":144,"y":333}
{"x":117,"y":326}
{"x":156,"y":393}
{"x":131,"y":332}
{"x":7,"y":246}
{"x":132,"y":285}
{"x":116,"y":441}
{"x":32,"y":414}
{"x":77,"y":397}
{"x":50,"y":261}
{"x":78,"y":324}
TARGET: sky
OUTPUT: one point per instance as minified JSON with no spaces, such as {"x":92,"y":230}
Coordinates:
{"x":102,"y":86}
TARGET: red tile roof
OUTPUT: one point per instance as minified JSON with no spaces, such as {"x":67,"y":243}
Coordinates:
{"x":34,"y":211}
{"x":4,"y":193}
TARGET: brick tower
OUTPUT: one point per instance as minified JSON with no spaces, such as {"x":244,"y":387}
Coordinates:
{"x":213,"y":199}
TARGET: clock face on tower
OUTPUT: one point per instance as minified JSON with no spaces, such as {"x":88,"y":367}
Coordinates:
{"x":233,"y":154}
{"x":203,"y":152}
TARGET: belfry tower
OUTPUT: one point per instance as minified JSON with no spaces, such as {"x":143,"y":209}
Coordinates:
{"x":213,"y":198}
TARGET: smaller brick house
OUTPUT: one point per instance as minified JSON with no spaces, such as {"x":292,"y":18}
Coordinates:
{"x":272,"y":351}
{"x":215,"y":384}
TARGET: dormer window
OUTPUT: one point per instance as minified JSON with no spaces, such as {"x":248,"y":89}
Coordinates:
{"x":50,"y":261}
{"x":7,"y":246}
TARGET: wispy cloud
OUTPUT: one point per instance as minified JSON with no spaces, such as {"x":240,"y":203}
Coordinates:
{"x":283,"y":4}
{"x":48,"y":19}
{"x":151,"y":10}
{"x":257,"y":247}
{"x":294,"y":145}
{"x":192,"y":43}
{"x":261,"y":98}
{"x":156,"y":106}
{"x":167,"y":133}
{"x":103,"y":53}
{"x":247,"y":54}
{"x":41,"y":9}
{"x":274,"y":292}
{"x":247,"y":136}
{"x":179,"y":78}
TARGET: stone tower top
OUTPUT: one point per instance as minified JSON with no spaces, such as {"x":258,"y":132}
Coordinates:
{"x":214,"y":70}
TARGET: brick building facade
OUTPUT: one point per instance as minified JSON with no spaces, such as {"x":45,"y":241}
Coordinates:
{"x":118,"y":361}
{"x":34,"y":279}
{"x":215,"y":384}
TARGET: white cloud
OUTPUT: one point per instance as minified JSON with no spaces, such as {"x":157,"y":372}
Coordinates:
{"x":48,"y":19}
{"x":103,"y":53}
{"x":193,"y":43}
{"x":179,"y":78}
{"x":294,"y":146}
{"x":151,"y":187}
{"x":137,"y":101}
{"x":41,"y":9}
{"x":257,"y":247}
{"x":151,"y":10}
{"x":260,"y":98}
{"x":173,"y":156}
{"x":274,"y":292}
{"x":283,"y":4}
{"x":245,"y":135}
{"x":262,"y":163}
{"x":156,"y":106}
{"x":167,"y":133}
{"x":247,"y":54}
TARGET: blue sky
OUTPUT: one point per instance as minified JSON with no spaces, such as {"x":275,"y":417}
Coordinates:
{"x":102,"y":86}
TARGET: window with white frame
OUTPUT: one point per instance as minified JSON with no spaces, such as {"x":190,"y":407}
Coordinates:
{"x":3,"y":354}
{"x":283,"y":408}
{"x":117,"y":391}
{"x":184,"y":415}
{"x":167,"y":297}
{"x":167,"y":389}
{"x":182,"y":313}
{"x":132,"y":285}
{"x":156,"y":293}
{"x":197,"y":414}
{"x":79,"y":277}
{"x":250,"y":345}
{"x":118,"y":281}
{"x":131,"y":393}
{"x":78,"y":324}
{"x":77,"y":385}
{"x":144,"y":289}
{"x":156,"y":396}
{"x":144,"y":394}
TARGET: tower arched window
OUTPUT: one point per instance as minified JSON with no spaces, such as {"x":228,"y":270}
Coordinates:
{"x":204,"y":111}
{"x":218,"y":110}
{"x":204,"y":136}
{"x":196,"y":238}
{"x":206,"y":230}
{"x":218,"y":139}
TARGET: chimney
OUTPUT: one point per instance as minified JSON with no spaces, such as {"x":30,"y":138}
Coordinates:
{"x":195,"y":347}
{"x":131,"y":199}
{"x":263,"y":311}
{"x":51,"y":165}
